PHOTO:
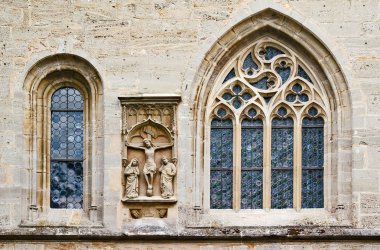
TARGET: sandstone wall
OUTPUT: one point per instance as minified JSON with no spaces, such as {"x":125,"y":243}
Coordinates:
{"x":156,"y":47}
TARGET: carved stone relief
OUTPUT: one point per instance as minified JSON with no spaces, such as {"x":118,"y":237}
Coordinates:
{"x":149,"y":134}
{"x":168,"y":171}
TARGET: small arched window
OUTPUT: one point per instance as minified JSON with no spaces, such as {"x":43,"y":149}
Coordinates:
{"x":66,"y":149}
{"x":266,"y":118}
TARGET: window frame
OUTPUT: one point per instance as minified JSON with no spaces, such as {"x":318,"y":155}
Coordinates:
{"x":86,"y":127}
{"x":210,"y":114}
{"x":42,"y":80}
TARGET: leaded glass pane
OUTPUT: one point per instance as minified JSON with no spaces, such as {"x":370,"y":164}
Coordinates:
{"x":221,"y":164}
{"x":282,"y":163}
{"x":252,"y":164}
{"x":249,"y":63}
{"x":303,"y":97}
{"x":66,"y":149}
{"x":284,"y":73}
{"x":282,"y":188}
{"x":66,"y":184}
{"x":312,"y":162}
{"x":272,"y":52}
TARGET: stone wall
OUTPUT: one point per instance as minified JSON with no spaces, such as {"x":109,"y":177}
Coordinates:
{"x":157,"y":47}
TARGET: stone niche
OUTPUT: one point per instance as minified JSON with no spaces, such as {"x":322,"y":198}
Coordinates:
{"x":149,"y":155}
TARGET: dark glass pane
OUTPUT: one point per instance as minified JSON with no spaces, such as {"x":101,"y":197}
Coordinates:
{"x":246,"y":96}
{"x":252,"y":144}
{"x":282,"y":163}
{"x":249,"y":63}
{"x":297,"y":88}
{"x":252,"y":112}
{"x":304,"y":98}
{"x":282,"y":143}
{"x":282,"y":189}
{"x":282,"y":111}
{"x":251,"y":189}
{"x":284,"y":73}
{"x":227,"y":96}
{"x":267,"y":99}
{"x":66,"y":149}
{"x":221,"y":189}
{"x":66,"y":185}
{"x":312,"y":188}
{"x":312,"y":162}
{"x":236,"y":103}
{"x":290,"y":97}
{"x":252,"y":164}
{"x":236,"y":89}
{"x":230,"y":75}
{"x":272,"y":52}
{"x":261,"y":84}
{"x":313,"y":111}
{"x":221,"y":112}
{"x":221,"y":158}
{"x":302,"y":73}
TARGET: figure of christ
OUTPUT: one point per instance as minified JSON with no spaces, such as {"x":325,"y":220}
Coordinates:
{"x":150,"y":165}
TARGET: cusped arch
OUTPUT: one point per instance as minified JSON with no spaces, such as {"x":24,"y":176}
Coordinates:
{"x":273,"y":25}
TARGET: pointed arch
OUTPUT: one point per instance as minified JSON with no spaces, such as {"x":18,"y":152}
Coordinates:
{"x":316,"y":60}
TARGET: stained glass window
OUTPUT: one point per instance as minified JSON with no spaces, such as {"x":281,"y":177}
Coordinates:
{"x":66,"y":149}
{"x":282,"y":163}
{"x":252,"y":164}
{"x":267,"y":81}
{"x":312,"y":162}
{"x":221,"y":163}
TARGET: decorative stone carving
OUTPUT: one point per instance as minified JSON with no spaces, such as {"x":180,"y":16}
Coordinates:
{"x":150,"y":165}
{"x":168,"y":171}
{"x":135,"y":213}
{"x":149,"y":132}
{"x":131,"y":173}
{"x":162,"y":212}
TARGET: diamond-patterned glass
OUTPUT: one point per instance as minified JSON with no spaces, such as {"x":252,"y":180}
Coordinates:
{"x":221,"y":164}
{"x":312,"y":162}
{"x":66,"y":149}
{"x":252,"y":164}
{"x":282,"y":163}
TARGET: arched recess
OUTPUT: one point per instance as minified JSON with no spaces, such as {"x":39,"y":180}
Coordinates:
{"x":275,"y":26}
{"x":42,"y":80}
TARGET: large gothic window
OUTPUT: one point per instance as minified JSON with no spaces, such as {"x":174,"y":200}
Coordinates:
{"x":267,"y":117}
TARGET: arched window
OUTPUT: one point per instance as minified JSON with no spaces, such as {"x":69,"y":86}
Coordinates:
{"x":64,"y":133}
{"x":66,"y":149}
{"x":267,"y":115}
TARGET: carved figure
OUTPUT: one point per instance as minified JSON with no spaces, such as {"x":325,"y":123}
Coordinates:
{"x":168,"y":171}
{"x":132,"y":179}
{"x":150,"y":165}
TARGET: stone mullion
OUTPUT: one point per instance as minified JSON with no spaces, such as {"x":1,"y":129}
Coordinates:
{"x":267,"y":165}
{"x":237,"y":166}
{"x":297,"y":165}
